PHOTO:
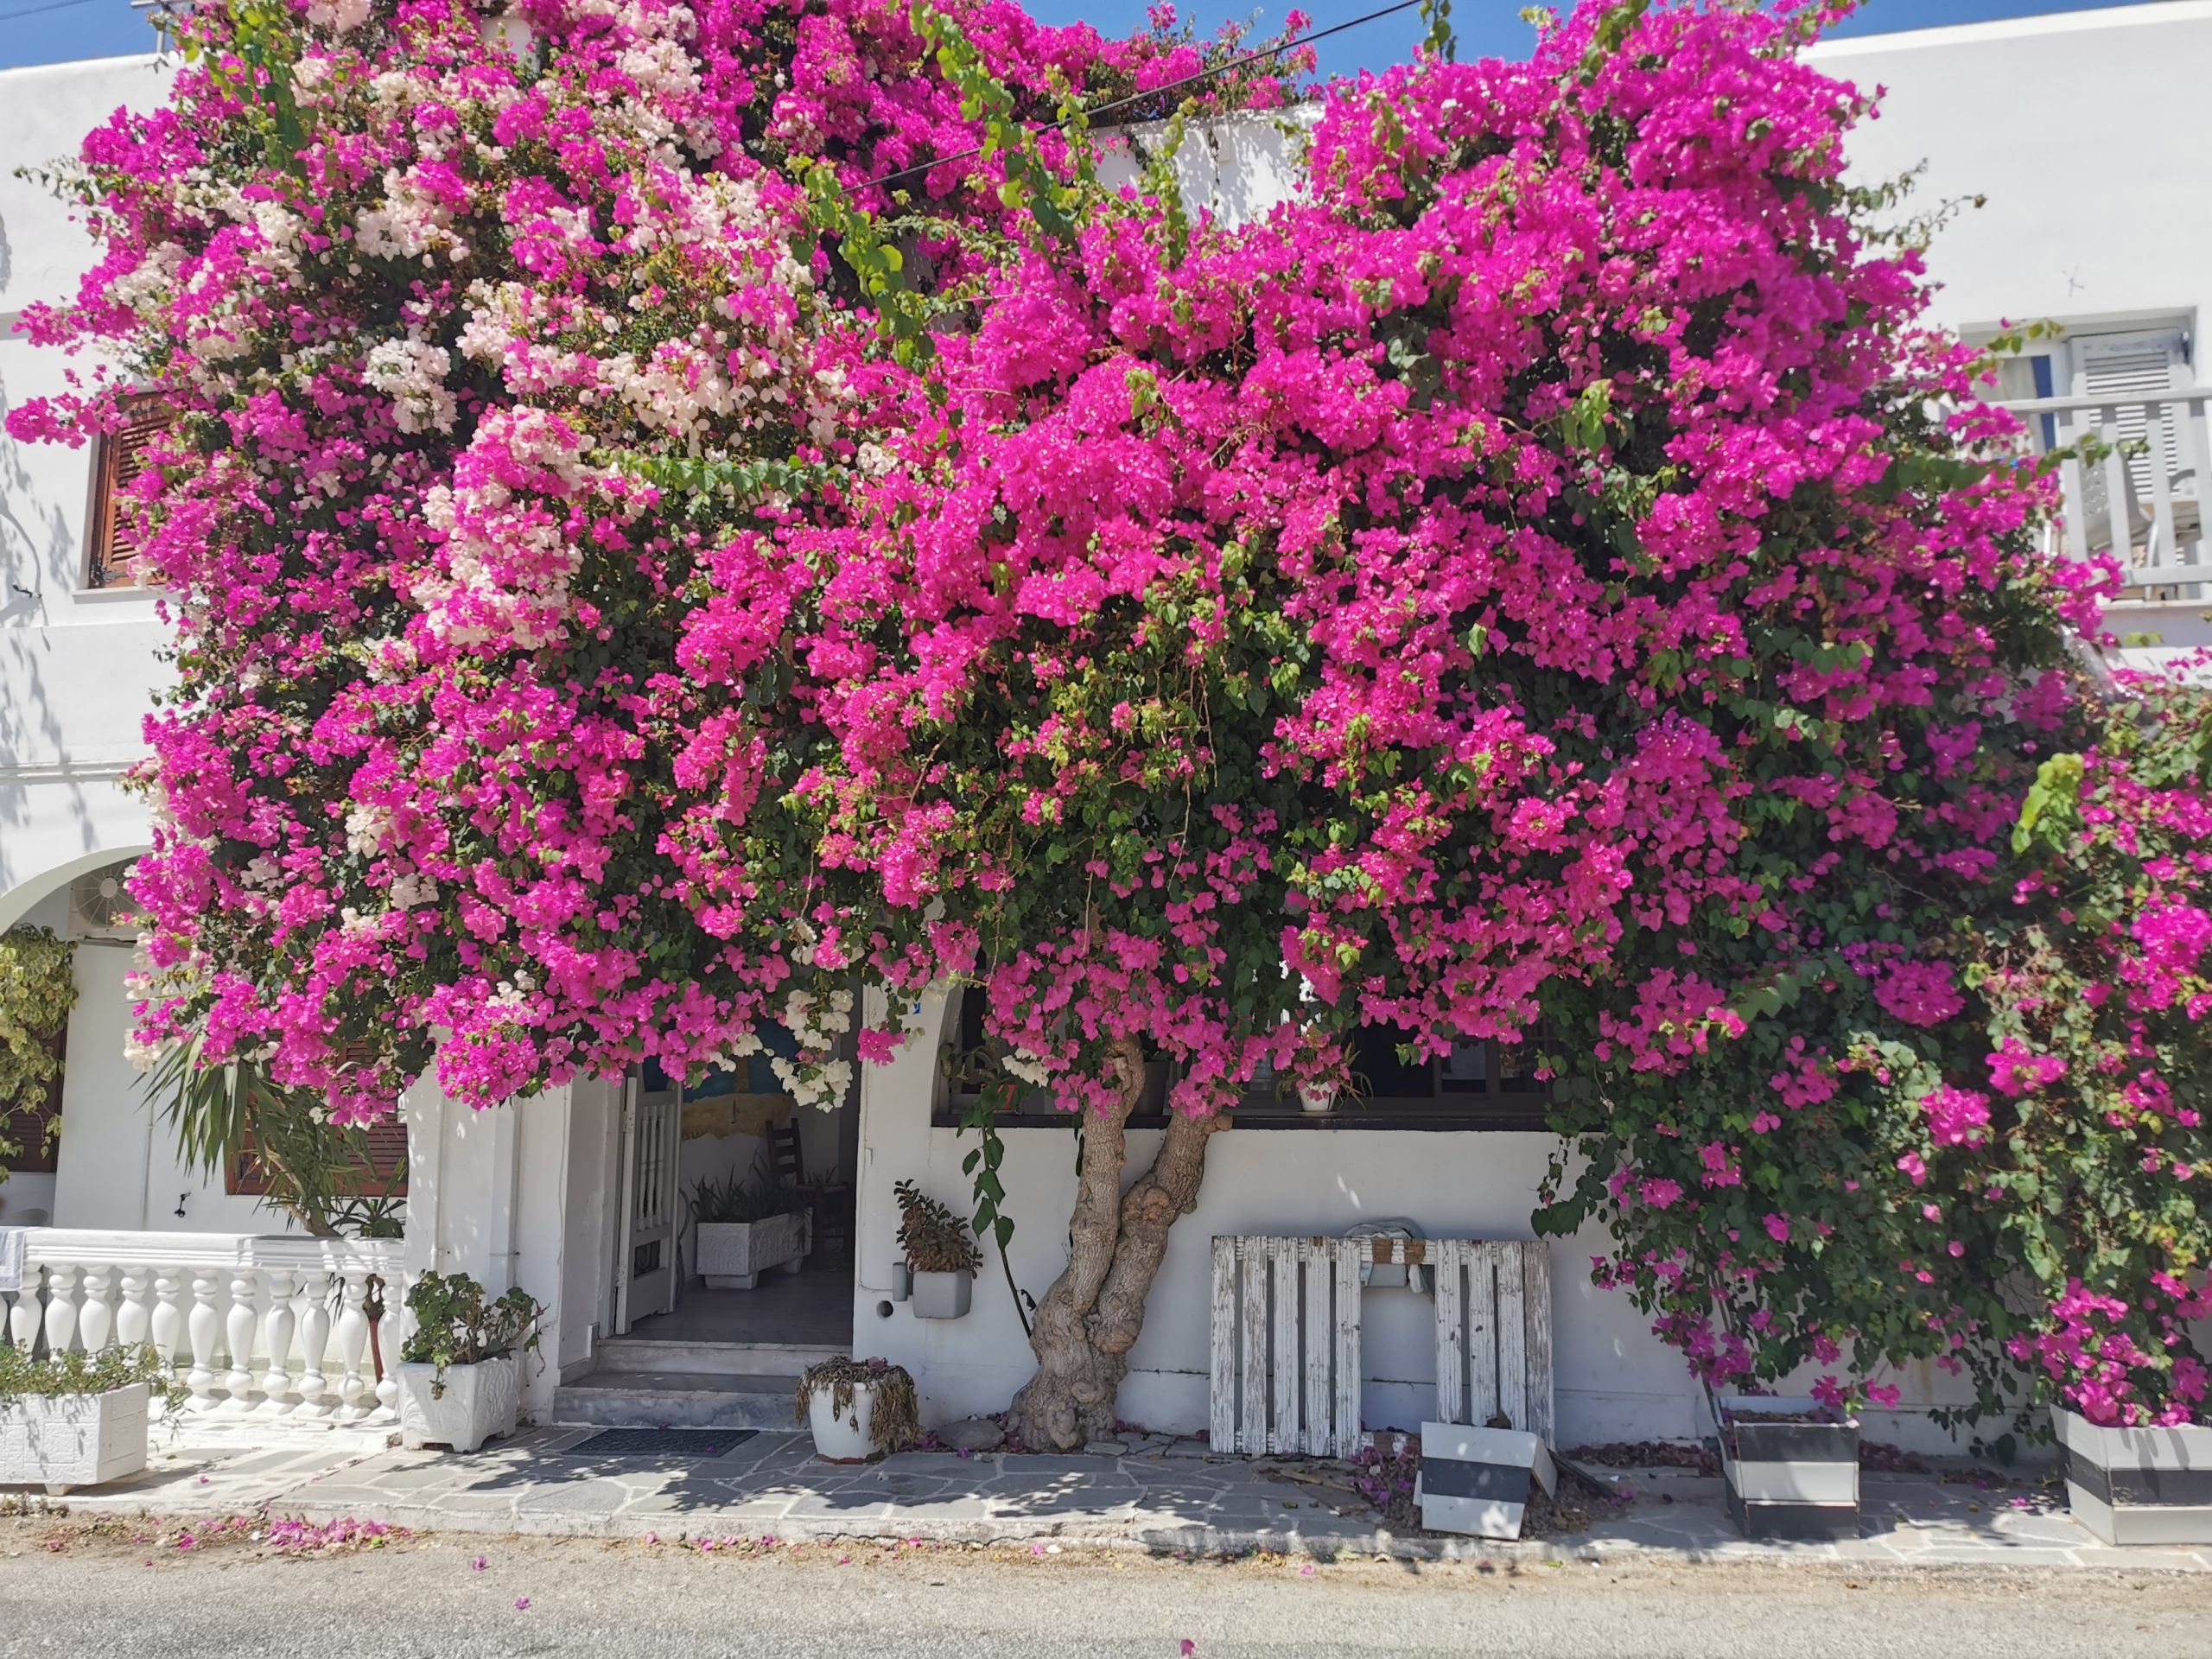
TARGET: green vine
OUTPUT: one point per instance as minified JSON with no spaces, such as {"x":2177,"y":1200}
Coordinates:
{"x":38,"y":987}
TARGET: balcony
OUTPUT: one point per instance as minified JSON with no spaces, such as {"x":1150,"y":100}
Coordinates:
{"x":2142,"y":497}
{"x":272,"y":1327}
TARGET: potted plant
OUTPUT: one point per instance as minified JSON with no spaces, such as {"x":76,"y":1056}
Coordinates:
{"x":2140,"y":1485}
{"x":77,"y":1420}
{"x":858,"y":1408}
{"x":1791,"y":1466}
{"x":941,"y":1254}
{"x":459,"y":1370}
{"x":745,"y":1228}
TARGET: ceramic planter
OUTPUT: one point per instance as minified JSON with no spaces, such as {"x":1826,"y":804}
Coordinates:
{"x":732,"y":1254}
{"x":61,"y":1441}
{"x":2138,"y":1485}
{"x":943,"y":1295}
{"x":846,"y":1437}
{"x":462,"y":1408}
{"x":1478,"y":1480}
{"x":1787,"y":1478}
{"x":1317,"y":1103}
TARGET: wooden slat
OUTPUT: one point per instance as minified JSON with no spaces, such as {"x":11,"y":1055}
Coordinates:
{"x":1345,"y":1431}
{"x":1537,"y":1294}
{"x":2074,"y":486}
{"x":1252,"y":1287}
{"x":1287,"y":1370}
{"x":1481,"y":1319}
{"x":2162,"y":425}
{"x":1222,"y":1430}
{"x":1450,"y":1265}
{"x":1315,"y":1263}
{"x":2119,"y":486}
{"x":1512,"y":1339}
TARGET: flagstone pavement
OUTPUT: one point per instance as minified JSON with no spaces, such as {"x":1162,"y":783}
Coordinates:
{"x":1160,"y":1495}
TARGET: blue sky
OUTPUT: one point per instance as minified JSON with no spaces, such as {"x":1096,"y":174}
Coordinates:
{"x":53,"y":31}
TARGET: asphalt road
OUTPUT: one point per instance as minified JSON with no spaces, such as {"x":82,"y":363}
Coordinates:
{"x":125,"y":1596}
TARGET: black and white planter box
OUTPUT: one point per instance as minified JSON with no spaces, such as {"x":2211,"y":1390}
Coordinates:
{"x":2138,"y":1485}
{"x":732,"y":1254}
{"x":62,"y":1441}
{"x":1791,"y":1464}
{"x":459,"y":1406}
{"x":943,"y":1295}
{"x":1478,"y":1480}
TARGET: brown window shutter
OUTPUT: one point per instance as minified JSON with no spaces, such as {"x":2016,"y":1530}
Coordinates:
{"x":123,"y":458}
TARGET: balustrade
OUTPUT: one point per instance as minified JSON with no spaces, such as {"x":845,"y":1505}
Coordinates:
{"x":273,"y":1326}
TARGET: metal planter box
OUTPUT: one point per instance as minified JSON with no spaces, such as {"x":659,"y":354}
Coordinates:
{"x":943,"y":1295}
{"x":2138,"y":1485}
{"x":61,"y":1441}
{"x":732,"y":1254}
{"x":1796,"y":1480}
{"x":1478,"y":1480}
{"x":463,"y":1408}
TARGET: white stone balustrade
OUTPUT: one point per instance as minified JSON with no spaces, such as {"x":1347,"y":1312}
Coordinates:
{"x":273,"y":1326}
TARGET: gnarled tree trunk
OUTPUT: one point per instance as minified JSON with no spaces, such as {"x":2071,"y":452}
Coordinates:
{"x":1089,"y":1319}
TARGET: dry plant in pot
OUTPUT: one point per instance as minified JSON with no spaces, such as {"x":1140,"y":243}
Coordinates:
{"x":858,"y":1408}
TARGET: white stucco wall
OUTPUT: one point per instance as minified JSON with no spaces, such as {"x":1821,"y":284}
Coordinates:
{"x":76,"y":669}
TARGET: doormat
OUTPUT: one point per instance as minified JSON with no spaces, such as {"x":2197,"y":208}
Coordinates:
{"x":691,"y":1444}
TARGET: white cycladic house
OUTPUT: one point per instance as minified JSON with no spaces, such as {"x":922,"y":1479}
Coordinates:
{"x":2090,"y":138}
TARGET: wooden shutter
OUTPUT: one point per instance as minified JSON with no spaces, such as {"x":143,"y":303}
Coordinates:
{"x":2134,"y":366}
{"x":123,"y":458}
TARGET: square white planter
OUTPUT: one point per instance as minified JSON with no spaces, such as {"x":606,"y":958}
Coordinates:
{"x":2138,"y":1485}
{"x":61,"y":1441}
{"x":469,"y":1405}
{"x":1477,"y":1480}
{"x":732,"y":1254}
{"x":943,"y":1295}
{"x":1797,"y":1480}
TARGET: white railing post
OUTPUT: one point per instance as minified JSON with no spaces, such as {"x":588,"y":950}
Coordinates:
{"x":133,"y":1318}
{"x":27,"y":1315}
{"x":315,"y":1340}
{"x":96,"y":1319}
{"x":391,"y":1336}
{"x":201,"y":1326}
{"x":353,"y":1343}
{"x":166,"y":1325}
{"x":238,"y":1330}
{"x":60,"y":1308}
{"x":276,"y":1334}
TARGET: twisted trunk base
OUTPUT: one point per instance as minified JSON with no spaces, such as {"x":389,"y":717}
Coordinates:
{"x":1089,"y":1320}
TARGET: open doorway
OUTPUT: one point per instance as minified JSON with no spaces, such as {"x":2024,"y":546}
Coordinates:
{"x":736,"y":1151}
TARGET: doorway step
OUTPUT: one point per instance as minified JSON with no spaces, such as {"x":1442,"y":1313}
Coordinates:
{"x":643,"y":1383}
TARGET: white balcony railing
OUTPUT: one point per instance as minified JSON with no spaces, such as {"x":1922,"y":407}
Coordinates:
{"x":2145,"y":497}
{"x":273,"y":1326}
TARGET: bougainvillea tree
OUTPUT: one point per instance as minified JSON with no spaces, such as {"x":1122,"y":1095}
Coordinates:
{"x":678,"y":509}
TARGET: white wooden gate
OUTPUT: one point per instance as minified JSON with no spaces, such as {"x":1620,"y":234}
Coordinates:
{"x":644,"y":1273}
{"x":1285,"y":1358}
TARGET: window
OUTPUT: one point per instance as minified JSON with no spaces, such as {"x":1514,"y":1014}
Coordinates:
{"x":111,"y":555}
{"x":1480,"y":1085}
{"x":387,"y":1140}
{"x":36,"y":1126}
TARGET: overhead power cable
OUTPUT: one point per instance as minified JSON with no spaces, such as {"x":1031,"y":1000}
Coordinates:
{"x":1146,"y":97}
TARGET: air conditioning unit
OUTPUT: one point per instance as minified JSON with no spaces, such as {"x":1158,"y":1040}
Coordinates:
{"x":100,"y":909}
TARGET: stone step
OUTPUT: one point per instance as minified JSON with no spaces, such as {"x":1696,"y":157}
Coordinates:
{"x":717,"y":1358}
{"x":677,"y":1400}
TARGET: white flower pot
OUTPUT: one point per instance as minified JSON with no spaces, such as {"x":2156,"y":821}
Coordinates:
{"x":463,"y":1407}
{"x":1317,"y":1103}
{"x":943,"y":1295}
{"x":732,"y":1254}
{"x":1478,"y":1481}
{"x":846,"y":1437}
{"x":2138,"y":1485}
{"x":64,"y":1440}
{"x":1796,"y":1480}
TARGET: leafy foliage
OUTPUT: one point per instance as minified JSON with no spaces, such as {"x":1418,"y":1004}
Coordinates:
{"x":38,"y":987}
{"x":934,"y":1239}
{"x":76,"y":1372}
{"x":454,"y":1323}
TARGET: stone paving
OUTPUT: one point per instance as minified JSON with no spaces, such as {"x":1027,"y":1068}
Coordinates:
{"x":1159,"y":1495}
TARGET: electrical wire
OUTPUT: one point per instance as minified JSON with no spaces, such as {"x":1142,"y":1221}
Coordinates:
{"x":1143,"y":97}
{"x":32,"y":11}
